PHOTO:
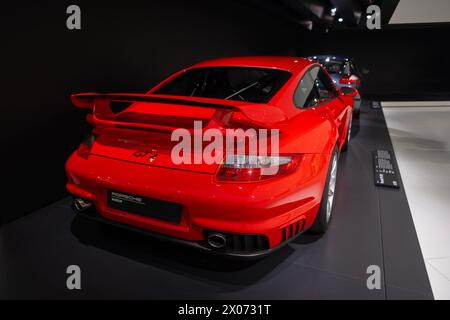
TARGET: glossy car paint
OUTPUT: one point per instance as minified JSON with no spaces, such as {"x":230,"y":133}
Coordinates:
{"x":262,"y":208}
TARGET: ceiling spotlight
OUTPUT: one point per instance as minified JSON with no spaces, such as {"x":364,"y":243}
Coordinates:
{"x":340,"y":19}
{"x":333,"y":12}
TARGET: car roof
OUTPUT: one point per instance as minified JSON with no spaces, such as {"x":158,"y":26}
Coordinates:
{"x":277,"y":62}
{"x":331,"y":56}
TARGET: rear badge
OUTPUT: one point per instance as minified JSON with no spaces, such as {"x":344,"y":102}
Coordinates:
{"x":151,"y":154}
{"x":121,"y":197}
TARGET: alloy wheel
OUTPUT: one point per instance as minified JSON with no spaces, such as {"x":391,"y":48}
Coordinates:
{"x":349,"y":131}
{"x":331,"y":187}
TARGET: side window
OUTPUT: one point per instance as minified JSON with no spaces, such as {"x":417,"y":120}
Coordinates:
{"x":324,"y":86}
{"x":354,"y":69}
{"x":313,"y":89}
{"x":306,"y":94}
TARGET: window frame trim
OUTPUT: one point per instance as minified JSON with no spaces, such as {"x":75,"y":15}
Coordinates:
{"x":298,"y":85}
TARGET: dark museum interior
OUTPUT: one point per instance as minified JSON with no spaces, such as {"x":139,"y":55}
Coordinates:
{"x":130,"y":47}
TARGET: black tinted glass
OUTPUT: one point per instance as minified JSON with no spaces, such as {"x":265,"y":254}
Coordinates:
{"x":313,"y":89}
{"x":257,"y":85}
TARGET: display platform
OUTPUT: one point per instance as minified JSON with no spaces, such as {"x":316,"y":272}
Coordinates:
{"x":371,"y":225}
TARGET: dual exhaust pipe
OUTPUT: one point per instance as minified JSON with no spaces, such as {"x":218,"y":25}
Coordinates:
{"x":81,"y":205}
{"x":216,"y":240}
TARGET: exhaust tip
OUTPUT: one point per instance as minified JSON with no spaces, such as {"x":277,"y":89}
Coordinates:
{"x":217,"y":240}
{"x":81,"y":205}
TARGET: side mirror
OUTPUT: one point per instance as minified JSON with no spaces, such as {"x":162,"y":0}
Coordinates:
{"x":365,"y":71}
{"x":348,"y":92}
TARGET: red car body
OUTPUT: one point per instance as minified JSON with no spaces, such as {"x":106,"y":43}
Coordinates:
{"x":131,"y":155}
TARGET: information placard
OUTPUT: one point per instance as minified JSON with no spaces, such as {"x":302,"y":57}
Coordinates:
{"x":385,"y":170}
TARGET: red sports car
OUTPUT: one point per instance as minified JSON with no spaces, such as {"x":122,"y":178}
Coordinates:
{"x":128,"y":171}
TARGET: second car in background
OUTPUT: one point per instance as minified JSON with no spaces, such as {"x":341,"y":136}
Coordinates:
{"x":344,"y":73}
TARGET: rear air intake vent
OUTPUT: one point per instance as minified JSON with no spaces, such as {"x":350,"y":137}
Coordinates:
{"x":292,"y":230}
{"x":239,"y":243}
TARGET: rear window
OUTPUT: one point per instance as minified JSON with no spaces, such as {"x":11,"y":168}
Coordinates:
{"x":257,"y":85}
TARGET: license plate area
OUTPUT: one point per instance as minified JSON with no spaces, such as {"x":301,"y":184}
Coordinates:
{"x":143,"y":206}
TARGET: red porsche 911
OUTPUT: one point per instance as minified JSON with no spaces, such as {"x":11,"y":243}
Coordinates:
{"x":161,"y":163}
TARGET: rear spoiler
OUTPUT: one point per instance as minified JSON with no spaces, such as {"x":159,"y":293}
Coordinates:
{"x":260,"y":115}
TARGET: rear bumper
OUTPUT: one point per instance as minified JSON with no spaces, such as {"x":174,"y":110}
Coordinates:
{"x":197,"y":245}
{"x":273,"y":209}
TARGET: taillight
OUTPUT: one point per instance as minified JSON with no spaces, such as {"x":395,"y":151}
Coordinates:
{"x":247,"y":168}
{"x":349,"y":80}
{"x":84,"y":150}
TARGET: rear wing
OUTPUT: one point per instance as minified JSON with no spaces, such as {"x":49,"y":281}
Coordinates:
{"x":260,"y":115}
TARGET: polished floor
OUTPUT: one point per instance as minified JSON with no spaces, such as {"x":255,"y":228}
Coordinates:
{"x":370,"y":226}
{"x":420,"y":134}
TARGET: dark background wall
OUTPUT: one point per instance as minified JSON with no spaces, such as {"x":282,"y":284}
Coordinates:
{"x":404,"y":63}
{"x":132,"y":45}
{"x":128,"y":46}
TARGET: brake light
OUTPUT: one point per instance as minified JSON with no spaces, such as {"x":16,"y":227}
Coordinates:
{"x":349,"y":80}
{"x":84,"y":150}
{"x":245,"y":168}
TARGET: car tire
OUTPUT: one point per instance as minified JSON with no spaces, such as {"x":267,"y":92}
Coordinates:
{"x":348,"y":135}
{"x":357,"y":106}
{"x":323,"y":217}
